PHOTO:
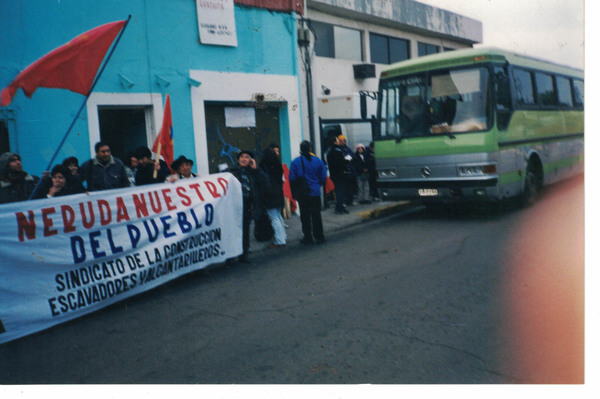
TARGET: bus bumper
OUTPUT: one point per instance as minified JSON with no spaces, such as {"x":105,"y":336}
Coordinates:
{"x":441,"y":190}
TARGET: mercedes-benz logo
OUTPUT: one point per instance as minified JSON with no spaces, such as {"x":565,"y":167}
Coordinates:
{"x":426,"y":172}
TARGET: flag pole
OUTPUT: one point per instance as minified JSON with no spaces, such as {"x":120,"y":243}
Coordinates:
{"x":157,"y":161}
{"x":112,"y":50}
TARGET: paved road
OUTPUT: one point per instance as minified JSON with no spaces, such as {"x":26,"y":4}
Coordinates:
{"x":418,"y":297}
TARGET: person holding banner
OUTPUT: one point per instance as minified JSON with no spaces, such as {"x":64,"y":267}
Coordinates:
{"x":104,"y":171}
{"x":146,"y":167}
{"x":74,"y":179}
{"x":54,"y":185}
{"x":254,"y":184}
{"x":182,"y":167}
{"x":15,"y":184}
{"x":131,"y":164}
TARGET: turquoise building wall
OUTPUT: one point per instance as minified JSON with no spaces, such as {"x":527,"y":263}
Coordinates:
{"x":161,"y":40}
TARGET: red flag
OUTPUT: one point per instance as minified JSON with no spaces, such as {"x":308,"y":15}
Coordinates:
{"x":287,"y":191}
{"x":72,"y":66}
{"x":163,"y":145}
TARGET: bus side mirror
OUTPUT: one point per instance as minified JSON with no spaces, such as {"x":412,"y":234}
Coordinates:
{"x":503,"y":98}
{"x":503,"y":118}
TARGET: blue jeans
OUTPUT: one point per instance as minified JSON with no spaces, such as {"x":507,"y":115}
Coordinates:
{"x":341,"y":186}
{"x":363,"y":187}
{"x":278,"y":226}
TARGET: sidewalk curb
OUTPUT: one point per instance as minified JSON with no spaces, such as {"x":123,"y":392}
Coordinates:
{"x":371,"y":215}
{"x":384,"y":211}
{"x":334,"y":223}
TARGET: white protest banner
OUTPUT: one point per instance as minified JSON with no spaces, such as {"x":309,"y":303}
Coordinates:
{"x":64,"y":257}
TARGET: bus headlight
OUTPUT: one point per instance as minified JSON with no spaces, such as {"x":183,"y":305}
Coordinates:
{"x":388,"y":173}
{"x":476,"y":170}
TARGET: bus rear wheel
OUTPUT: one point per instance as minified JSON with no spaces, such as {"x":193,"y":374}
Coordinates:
{"x":533,"y":184}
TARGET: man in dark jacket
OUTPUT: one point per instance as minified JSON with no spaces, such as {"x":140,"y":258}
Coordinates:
{"x":360,"y":163}
{"x":254,"y":183}
{"x":338,"y":167}
{"x":274,"y":200}
{"x":146,"y":167}
{"x":372,"y":170}
{"x":350,"y":173}
{"x":104,"y":171}
{"x":15,"y":184}
{"x":310,"y":167}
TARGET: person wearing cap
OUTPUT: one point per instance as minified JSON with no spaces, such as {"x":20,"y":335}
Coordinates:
{"x":308,"y":166}
{"x":254,"y":183}
{"x":182,"y":167}
{"x":15,"y":184}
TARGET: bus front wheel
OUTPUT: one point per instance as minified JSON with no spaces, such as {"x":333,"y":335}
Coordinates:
{"x":533,"y":184}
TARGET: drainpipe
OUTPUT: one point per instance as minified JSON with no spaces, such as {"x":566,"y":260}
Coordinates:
{"x":309,"y":95}
{"x":304,"y":42}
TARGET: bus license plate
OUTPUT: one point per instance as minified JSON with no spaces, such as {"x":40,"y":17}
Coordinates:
{"x":428,"y":192}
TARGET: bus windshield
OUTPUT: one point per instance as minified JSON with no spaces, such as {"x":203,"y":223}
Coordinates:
{"x":434,"y":103}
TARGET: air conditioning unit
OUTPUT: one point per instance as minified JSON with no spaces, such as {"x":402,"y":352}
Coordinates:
{"x":363,"y":71}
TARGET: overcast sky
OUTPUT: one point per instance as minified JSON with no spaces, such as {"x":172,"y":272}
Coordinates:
{"x":548,"y":29}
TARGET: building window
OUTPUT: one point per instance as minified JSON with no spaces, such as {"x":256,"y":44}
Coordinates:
{"x":337,"y":42}
{"x":123,"y":128}
{"x":387,"y":50}
{"x":4,"y":140}
{"x":323,"y":39}
{"x":426,"y":49}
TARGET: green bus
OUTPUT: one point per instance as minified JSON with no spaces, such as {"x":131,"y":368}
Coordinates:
{"x":477,"y":124}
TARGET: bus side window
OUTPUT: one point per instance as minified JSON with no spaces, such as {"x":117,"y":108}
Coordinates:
{"x":578,"y":92}
{"x":523,"y":85}
{"x":503,"y":98}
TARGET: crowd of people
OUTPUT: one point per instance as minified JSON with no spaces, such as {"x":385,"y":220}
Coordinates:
{"x":352,"y":173}
{"x":102,"y":172}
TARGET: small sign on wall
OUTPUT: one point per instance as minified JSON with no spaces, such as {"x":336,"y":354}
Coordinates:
{"x":216,"y":22}
{"x":240,"y":117}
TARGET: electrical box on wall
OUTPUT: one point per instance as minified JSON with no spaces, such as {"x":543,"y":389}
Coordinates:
{"x":303,"y":36}
{"x":364,"y":71}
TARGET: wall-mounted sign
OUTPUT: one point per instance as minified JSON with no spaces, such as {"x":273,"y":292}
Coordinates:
{"x":216,"y":22}
{"x":240,"y":117}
